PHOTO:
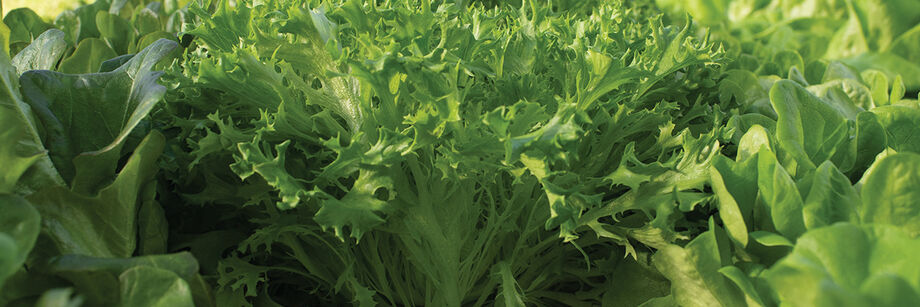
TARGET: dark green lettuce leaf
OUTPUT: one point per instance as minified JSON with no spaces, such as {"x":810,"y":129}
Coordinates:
{"x":138,"y":281}
{"x":42,"y":54}
{"x":19,"y":226}
{"x":85,"y":119}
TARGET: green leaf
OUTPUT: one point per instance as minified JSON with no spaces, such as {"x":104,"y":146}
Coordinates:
{"x":890,"y":194}
{"x":871,"y":139}
{"x":902,"y":126}
{"x":25,"y":26}
{"x":153,"y":37}
{"x":88,"y":57}
{"x":780,"y":195}
{"x":241,"y":276}
{"x":878,"y":84}
{"x":23,"y":154}
{"x":19,"y":227}
{"x":43,"y":54}
{"x":153,"y":229}
{"x":103,"y":225}
{"x":767,"y":238}
{"x":735,"y":187}
{"x":694,"y":271}
{"x":891,"y":64}
{"x":120,"y":281}
{"x":755,"y":139}
{"x":116,"y":31}
{"x":807,"y":128}
{"x":743,"y":86}
{"x":252,"y":160}
{"x":146,"y":21}
{"x":829,"y":197}
{"x":149,"y":286}
{"x":847,"y":96}
{"x":639,"y":284}
{"x":87,"y":118}
{"x":360,"y":210}
{"x":510,"y":293}
{"x":744,"y":283}
{"x":848,"y":265}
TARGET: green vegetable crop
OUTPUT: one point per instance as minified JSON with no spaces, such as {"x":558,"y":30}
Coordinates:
{"x":455,"y":153}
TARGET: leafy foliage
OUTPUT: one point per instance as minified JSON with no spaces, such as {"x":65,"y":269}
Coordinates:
{"x":445,"y":153}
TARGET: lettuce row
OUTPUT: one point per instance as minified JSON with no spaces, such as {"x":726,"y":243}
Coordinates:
{"x":460,"y":150}
{"x":80,"y":212}
{"x":446,"y":153}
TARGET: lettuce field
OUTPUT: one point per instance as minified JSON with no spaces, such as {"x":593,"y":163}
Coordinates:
{"x":461,"y":153}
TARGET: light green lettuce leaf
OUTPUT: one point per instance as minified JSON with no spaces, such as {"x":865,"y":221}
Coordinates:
{"x":901,"y":125}
{"x":890,"y":195}
{"x":104,"y":224}
{"x":694,"y":271}
{"x":848,"y":265}
{"x":153,"y":287}
{"x":807,"y":128}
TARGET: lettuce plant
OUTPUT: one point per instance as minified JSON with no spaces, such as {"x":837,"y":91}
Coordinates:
{"x":454,"y":153}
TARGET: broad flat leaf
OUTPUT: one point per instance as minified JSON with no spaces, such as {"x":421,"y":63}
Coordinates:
{"x":890,"y":194}
{"x":152,"y":227}
{"x":25,"y":26}
{"x":151,"y":38}
{"x":735,"y":187}
{"x":891,"y":64}
{"x":780,"y":195}
{"x":90,"y":54}
{"x":694,"y":271}
{"x":849,"y":265}
{"x":806,"y":128}
{"x":878,"y":84}
{"x":745,"y":283}
{"x":103,"y":225}
{"x":902,"y":126}
{"x":100,"y":279}
{"x":22,"y":154}
{"x":43,"y":54}
{"x":829,"y":197}
{"x":637,"y":283}
{"x":145,"y":286}
{"x":871,"y":139}
{"x":19,"y":227}
{"x":86,"y":118}
{"x":769,"y":239}
{"x":115,"y":30}
{"x":744,"y":87}
{"x":846,"y":96}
